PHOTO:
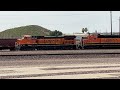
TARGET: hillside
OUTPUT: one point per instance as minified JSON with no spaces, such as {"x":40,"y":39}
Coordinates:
{"x":20,"y":31}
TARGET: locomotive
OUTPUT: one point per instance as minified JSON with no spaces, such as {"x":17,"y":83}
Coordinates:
{"x":68,"y":42}
{"x":101,"y":41}
{"x":29,"y":42}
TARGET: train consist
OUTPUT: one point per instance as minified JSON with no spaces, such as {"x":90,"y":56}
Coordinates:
{"x":70,"y":42}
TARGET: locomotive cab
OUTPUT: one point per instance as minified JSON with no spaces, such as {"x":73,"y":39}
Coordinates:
{"x":91,"y":41}
{"x":26,"y":43}
{"x":26,"y":37}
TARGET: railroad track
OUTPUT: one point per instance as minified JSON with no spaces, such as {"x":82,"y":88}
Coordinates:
{"x":56,"y":56}
{"x":60,"y":52}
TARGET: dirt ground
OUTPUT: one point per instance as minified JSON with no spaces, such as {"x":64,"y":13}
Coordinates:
{"x":61,"y":69}
{"x":90,"y":66}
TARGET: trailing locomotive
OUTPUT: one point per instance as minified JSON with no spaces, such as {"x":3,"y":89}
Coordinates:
{"x":101,"y":41}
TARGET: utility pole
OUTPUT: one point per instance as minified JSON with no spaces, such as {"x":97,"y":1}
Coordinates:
{"x":106,"y":31}
{"x":119,"y":25}
{"x":111,"y":20}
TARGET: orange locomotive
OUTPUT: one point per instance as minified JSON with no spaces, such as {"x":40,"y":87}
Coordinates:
{"x":46,"y":43}
{"x":101,"y":41}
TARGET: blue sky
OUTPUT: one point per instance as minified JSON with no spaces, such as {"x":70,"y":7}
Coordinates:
{"x":65,"y":21}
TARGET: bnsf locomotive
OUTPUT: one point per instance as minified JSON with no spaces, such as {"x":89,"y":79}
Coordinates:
{"x":45,"y":43}
{"x":101,"y":41}
{"x":29,"y":42}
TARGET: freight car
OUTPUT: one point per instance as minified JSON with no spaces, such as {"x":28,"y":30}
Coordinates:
{"x":7,"y":44}
{"x":29,"y":42}
{"x":101,"y":41}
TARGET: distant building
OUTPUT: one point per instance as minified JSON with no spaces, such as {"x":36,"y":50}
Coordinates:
{"x":79,"y":37}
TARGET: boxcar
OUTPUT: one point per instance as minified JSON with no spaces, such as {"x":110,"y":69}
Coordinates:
{"x":7,"y":44}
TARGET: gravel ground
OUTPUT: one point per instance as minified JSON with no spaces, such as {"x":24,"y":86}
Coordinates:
{"x":57,"y":60}
{"x":58,"y":57}
{"x":55,"y":57}
{"x":52,"y":59}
